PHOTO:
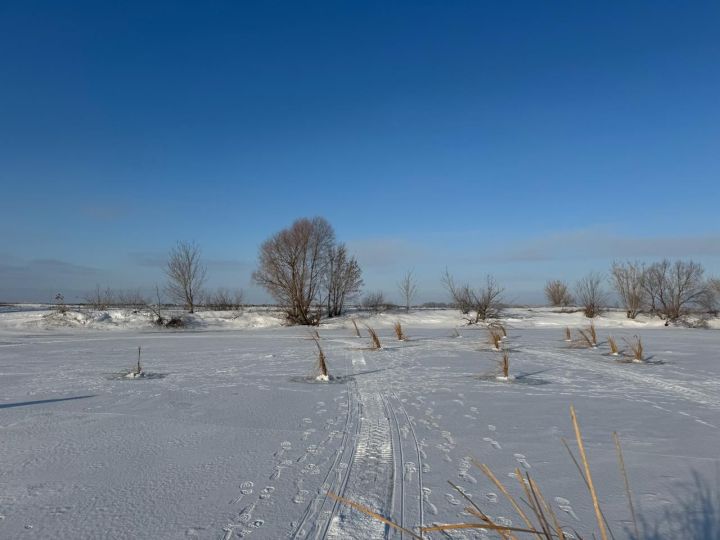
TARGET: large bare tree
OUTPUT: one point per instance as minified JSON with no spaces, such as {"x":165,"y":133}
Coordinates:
{"x":674,"y":286}
{"x":343,"y":279}
{"x":292,"y":267}
{"x":186,"y":275}
{"x":408,"y":288}
{"x":627,"y":279}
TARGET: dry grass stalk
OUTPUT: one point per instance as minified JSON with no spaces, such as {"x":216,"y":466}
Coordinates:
{"x":621,"y":463}
{"x":593,"y":334}
{"x":568,"y":337}
{"x":588,"y":476}
{"x":613,"y":346}
{"x":495,"y":338}
{"x":357,"y":330}
{"x":374,"y":515}
{"x":374,"y":339}
{"x":636,"y":348}
{"x":138,"y":368}
{"x":399,"y":331}
{"x":321,"y":363}
{"x":585,"y":339}
{"x":499,"y":327}
{"x":506,"y":364}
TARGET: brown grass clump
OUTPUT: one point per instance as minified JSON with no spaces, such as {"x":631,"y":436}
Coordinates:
{"x":495,"y":338}
{"x":538,"y":517}
{"x":636,"y":348}
{"x":568,"y":337}
{"x":357,"y":330}
{"x":500,"y":328}
{"x":375,"y":340}
{"x":399,"y":331}
{"x":613,"y":346}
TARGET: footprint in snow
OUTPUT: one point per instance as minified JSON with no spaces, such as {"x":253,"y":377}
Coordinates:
{"x":564,"y":505}
{"x":493,"y":443}
{"x":451,"y":499}
{"x":267,"y":492}
{"x":520,"y":458}
{"x":491,"y":497}
{"x":491,"y":427}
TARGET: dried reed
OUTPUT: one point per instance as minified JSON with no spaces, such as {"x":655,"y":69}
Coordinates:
{"x":374,"y":339}
{"x":399,"y":331}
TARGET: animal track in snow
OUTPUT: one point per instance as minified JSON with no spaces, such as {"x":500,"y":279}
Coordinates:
{"x":491,"y":427}
{"x":410,"y":470}
{"x":267,"y":492}
{"x":491,"y":497}
{"x":451,"y":499}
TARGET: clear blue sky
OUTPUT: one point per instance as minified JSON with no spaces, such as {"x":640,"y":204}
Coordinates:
{"x":531,"y":140}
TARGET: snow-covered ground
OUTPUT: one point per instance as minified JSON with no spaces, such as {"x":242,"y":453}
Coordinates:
{"x":228,"y":435}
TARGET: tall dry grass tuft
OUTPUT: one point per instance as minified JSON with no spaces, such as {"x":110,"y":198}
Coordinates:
{"x":357,"y":330}
{"x":636,"y":348}
{"x":593,"y":334}
{"x":537,"y":515}
{"x":399,"y":331}
{"x":613,"y":346}
{"x":375,"y":340}
{"x":500,"y":328}
{"x":495,"y":338}
{"x":506,"y":364}
{"x":568,"y":337}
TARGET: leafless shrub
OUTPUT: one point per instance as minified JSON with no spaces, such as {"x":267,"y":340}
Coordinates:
{"x":131,"y":299}
{"x":408,"y":289}
{"x":591,"y":295}
{"x":343,"y":279}
{"x":100,"y":299}
{"x":397,"y":327}
{"x":673,"y":287}
{"x":60,"y":306}
{"x":627,"y":279}
{"x":293,"y":265}
{"x":224,"y":300}
{"x":375,"y":340}
{"x":186,"y":274}
{"x":485,"y":301}
{"x":557,"y":293}
{"x":374,"y":302}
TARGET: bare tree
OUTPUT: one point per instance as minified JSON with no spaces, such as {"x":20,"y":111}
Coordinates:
{"x":557,"y":293}
{"x":292,"y":267}
{"x":591,"y":295}
{"x":627,"y":279}
{"x":675,"y":286}
{"x":343,"y":279}
{"x":486,"y":301}
{"x":408,"y":288}
{"x":374,"y":301}
{"x":186,"y":275}
{"x":132,"y":299}
{"x":100,"y":299}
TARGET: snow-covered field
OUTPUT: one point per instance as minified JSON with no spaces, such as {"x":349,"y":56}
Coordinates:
{"x":228,"y":436}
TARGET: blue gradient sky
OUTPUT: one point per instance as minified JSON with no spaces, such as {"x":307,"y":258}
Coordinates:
{"x":530,"y":140}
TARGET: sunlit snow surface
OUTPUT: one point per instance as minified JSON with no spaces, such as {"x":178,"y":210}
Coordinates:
{"x":229,"y":435}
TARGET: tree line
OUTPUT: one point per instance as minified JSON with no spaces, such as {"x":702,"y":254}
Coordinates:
{"x":311,"y":275}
